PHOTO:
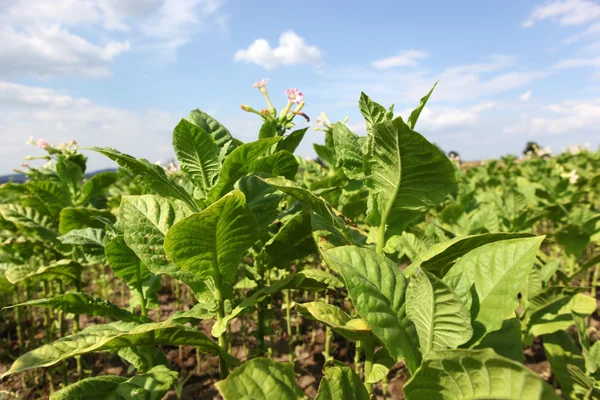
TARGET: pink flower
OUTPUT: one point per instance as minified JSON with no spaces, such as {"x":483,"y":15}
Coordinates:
{"x":294,"y":95}
{"x":42,"y":144}
{"x":260,"y":84}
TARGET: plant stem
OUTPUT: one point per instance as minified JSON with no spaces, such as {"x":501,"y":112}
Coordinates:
{"x":357,"y":358}
{"x":327,"y":337}
{"x":288,"y":320}
{"x":368,"y":348}
{"x":18,"y":317}
{"x":223,"y":371}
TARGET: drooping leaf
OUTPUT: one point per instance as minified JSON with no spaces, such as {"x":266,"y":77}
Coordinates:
{"x":152,"y":385}
{"x":48,"y":197}
{"x":115,"y":336}
{"x":339,"y":382}
{"x":65,"y":270}
{"x":82,"y":303}
{"x":238,"y":164}
{"x":323,"y":276}
{"x":376,"y":287}
{"x":80,"y":218}
{"x":29,"y":220}
{"x":149,"y":175}
{"x":498,"y":271}
{"x":475,"y":374}
{"x":96,"y":186}
{"x":211,"y":243}
{"x":261,"y":379}
{"x":441,"y":319}
{"x":562,"y":352}
{"x":336,"y":318}
{"x":198,"y":154}
{"x":91,"y":241}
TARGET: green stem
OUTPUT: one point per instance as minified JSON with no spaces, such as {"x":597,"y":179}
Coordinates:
{"x":223,"y":371}
{"x":18,"y":320}
{"x":327,"y":337}
{"x":141,"y":293}
{"x":288,"y":320}
{"x":368,"y":348}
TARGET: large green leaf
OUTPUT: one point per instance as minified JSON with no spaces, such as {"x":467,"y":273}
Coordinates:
{"x":211,"y":243}
{"x":80,"y":218}
{"x":438,"y":259}
{"x":376,"y":287}
{"x":336,"y":319}
{"x":283,"y":163}
{"x":96,"y":186}
{"x":290,"y":142}
{"x":115,"y":336}
{"x":91,"y":241}
{"x":562,"y":352}
{"x":339,"y":382}
{"x":82,"y":303}
{"x":124,"y":263}
{"x":475,"y":374}
{"x":48,"y":197}
{"x":262,"y":199}
{"x":414,"y":116}
{"x":441,"y":319}
{"x":293,"y":241}
{"x":405,"y":172}
{"x":29,"y":220}
{"x":68,"y":171}
{"x":498,"y":272}
{"x":149,"y":175}
{"x":261,"y":379}
{"x":198,"y":154}
{"x":238,"y":164}
{"x":213,"y":127}
{"x":152,"y":385}
{"x":348,"y":151}
{"x":67,"y":271}
{"x":507,"y":341}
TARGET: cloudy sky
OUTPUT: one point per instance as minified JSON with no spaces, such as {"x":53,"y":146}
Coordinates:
{"x":122,"y":73}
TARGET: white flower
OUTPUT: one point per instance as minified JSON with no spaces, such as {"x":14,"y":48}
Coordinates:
{"x":573,"y":177}
{"x":574,"y":149}
{"x":31,"y":140}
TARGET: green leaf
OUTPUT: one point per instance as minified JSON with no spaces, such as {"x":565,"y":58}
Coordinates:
{"x":414,"y":116}
{"x":238,"y":164}
{"x":406,"y":173}
{"x":64,"y":270}
{"x":374,"y":113}
{"x":573,"y":238}
{"x":211,"y":243}
{"x":382,"y":363}
{"x":562,"y":352}
{"x":143,"y":358}
{"x":152,"y":385}
{"x":29,"y":220}
{"x":348,"y":151}
{"x":263,"y":200}
{"x":441,"y":319}
{"x":82,"y":303}
{"x":293,"y":241}
{"x":68,"y":171}
{"x":268,"y":130}
{"x":213,"y":127}
{"x":283,"y":163}
{"x":195,"y":314}
{"x":91,"y":241}
{"x":498,"y":271}
{"x":149,"y":175}
{"x":198,"y":154}
{"x":475,"y":374}
{"x":124,"y":263}
{"x":335,"y":318}
{"x":339,"y":382}
{"x":96,"y":186}
{"x":438,"y":259}
{"x":80,"y":218}
{"x":376,"y":287}
{"x":261,"y":379}
{"x":115,"y":336}
{"x":583,"y":386}
{"x":323,"y":276}
{"x":292,"y":141}
{"x":48,"y":197}
{"x":506,"y":341}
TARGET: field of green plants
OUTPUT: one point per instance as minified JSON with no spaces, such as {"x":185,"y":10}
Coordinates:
{"x":383,"y":269}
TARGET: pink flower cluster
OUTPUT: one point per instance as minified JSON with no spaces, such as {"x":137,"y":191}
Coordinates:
{"x":294,"y":95}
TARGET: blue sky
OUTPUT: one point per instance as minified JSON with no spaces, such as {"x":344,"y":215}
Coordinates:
{"x":122,"y":73}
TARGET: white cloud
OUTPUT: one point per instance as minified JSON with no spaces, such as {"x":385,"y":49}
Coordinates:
{"x":292,"y":50}
{"x":526,"y":96}
{"x":565,"y":12}
{"x":591,"y":30}
{"x":578,"y":62}
{"x":443,"y":118}
{"x":51,"y":50}
{"x":567,"y":118}
{"x":406,"y":58}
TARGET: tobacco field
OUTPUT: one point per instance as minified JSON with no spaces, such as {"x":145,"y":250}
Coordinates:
{"x":383,"y":269}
